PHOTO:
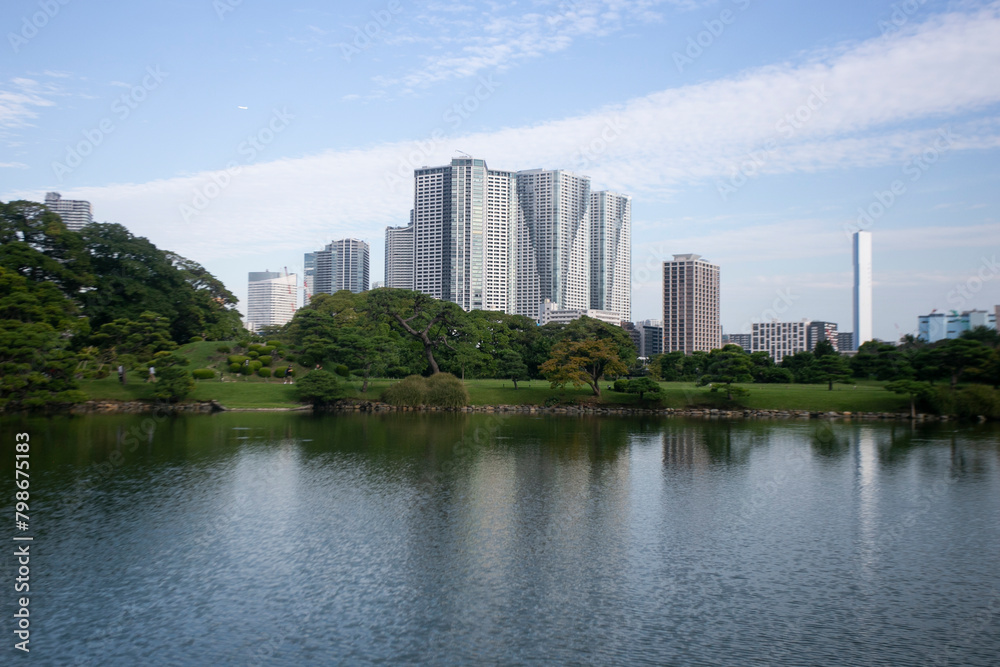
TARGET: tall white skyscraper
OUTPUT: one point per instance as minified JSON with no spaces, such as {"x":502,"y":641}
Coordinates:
{"x":399,"y":257}
{"x":341,"y":265}
{"x":553,"y":241}
{"x":75,"y":213}
{"x":271,"y":299}
{"x":463,"y":222}
{"x":611,"y":253}
{"x":691,"y":305}
{"x":862,"y":288}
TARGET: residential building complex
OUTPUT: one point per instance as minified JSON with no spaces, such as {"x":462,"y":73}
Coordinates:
{"x":779,"y":339}
{"x":845,"y":341}
{"x":507,"y":241}
{"x":399,"y":257}
{"x":741,"y":339}
{"x":271,"y":299}
{"x":611,"y":253}
{"x":862,"y":288}
{"x":341,"y":265}
{"x":690,"y":305}
{"x":75,"y":213}
{"x":818,"y":331}
{"x":553,"y":241}
{"x":939,"y":326}
{"x":650,"y":338}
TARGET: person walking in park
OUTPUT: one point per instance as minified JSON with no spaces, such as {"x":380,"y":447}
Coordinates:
{"x":152,"y":375}
{"x":121,"y":374}
{"x":288,"y":376}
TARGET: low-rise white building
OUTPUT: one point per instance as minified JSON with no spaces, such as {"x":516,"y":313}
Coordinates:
{"x":550,"y":312}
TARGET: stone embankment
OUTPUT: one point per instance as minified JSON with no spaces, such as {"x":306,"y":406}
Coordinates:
{"x":144,"y":407}
{"x":709,"y":413}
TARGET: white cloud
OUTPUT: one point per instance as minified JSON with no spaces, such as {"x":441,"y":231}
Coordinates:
{"x":884,"y":101}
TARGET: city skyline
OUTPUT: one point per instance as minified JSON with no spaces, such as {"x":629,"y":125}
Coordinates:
{"x":762,"y":138}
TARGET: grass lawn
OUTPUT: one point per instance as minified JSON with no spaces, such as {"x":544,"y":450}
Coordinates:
{"x":238,"y":391}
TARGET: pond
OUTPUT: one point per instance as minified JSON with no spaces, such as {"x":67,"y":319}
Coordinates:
{"x":293,"y":539}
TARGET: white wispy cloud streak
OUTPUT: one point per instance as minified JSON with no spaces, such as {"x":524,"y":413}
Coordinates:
{"x":884,"y":100}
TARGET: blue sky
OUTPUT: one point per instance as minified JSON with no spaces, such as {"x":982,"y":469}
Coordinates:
{"x":753,"y":133}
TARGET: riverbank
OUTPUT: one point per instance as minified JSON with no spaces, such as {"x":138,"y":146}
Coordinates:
{"x":862,"y":397}
{"x":209,"y":407}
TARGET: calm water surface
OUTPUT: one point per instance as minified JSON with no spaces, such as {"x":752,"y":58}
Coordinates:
{"x":248,"y":538}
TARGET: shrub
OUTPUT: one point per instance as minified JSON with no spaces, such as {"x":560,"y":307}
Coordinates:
{"x":224,"y":349}
{"x":267,"y":349}
{"x":203,"y":374}
{"x":243,"y":342}
{"x":236,"y":358}
{"x":253,"y":354}
{"x":621,"y":385}
{"x":254,"y":366}
{"x":411,"y":390}
{"x":978,"y":400}
{"x":446,"y":391}
{"x":235,"y":368}
{"x":265,"y":360}
{"x":264,"y":372}
{"x":319,"y":388}
{"x":275,"y":343}
{"x":342,"y":370}
{"x":195,"y":339}
{"x":278,"y":372}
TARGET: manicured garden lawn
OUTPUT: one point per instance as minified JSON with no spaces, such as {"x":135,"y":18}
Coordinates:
{"x":239,"y":391}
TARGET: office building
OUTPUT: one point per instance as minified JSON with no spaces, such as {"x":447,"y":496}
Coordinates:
{"x":341,"y":265}
{"x":75,"y":213}
{"x":308,"y":276}
{"x":940,"y":326}
{"x":779,"y":339}
{"x":399,"y":256}
{"x":650,"y":338}
{"x":818,"y":331}
{"x":862,"y":288}
{"x":610,"y":253}
{"x":553,"y":241}
{"x":845,"y":341}
{"x":633,"y":334}
{"x":691,"y":305}
{"x":271,"y":299}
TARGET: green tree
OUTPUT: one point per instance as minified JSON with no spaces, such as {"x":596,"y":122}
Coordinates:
{"x":435,"y":324}
{"x":173,"y":381}
{"x":912,"y":388}
{"x":960,"y":356}
{"x":511,"y":366}
{"x":583,"y":362}
{"x":644,"y":386}
{"x":143,"y":337}
{"x":832,"y":368}
{"x":37,"y":325}
{"x":726,"y":366}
